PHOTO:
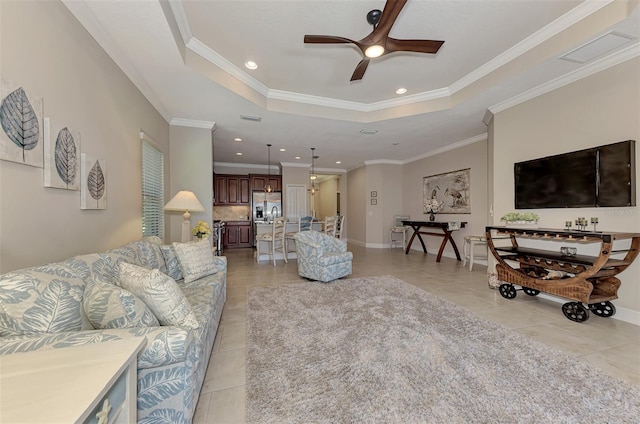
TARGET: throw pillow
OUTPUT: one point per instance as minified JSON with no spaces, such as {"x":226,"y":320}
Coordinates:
{"x":171,"y":261}
{"x":196,"y":259}
{"x":161,"y":294}
{"x":43,"y":299}
{"x":109,"y":306}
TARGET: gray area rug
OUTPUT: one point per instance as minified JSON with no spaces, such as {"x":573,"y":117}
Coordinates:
{"x":380,"y":350}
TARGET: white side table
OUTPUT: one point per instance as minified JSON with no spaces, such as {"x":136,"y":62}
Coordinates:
{"x":470,"y":242}
{"x":77,"y":384}
{"x":398,"y":230}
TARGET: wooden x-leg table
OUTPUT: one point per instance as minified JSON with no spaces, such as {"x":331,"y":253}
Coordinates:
{"x":445,"y":234}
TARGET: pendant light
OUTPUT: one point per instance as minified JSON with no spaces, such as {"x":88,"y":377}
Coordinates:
{"x":267,"y":188}
{"x":313,"y":188}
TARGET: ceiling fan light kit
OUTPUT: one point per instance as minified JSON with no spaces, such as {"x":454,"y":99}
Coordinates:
{"x":374,"y":51}
{"x":378,"y":43}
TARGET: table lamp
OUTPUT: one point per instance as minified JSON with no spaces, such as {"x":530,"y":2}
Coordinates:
{"x":185,"y":201}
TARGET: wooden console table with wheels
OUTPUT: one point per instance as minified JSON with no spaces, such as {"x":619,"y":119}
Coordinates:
{"x":588,"y":281}
{"x":445,"y":234}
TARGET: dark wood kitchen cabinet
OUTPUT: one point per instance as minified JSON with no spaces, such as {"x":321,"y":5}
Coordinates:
{"x":259,"y":182}
{"x":231,"y":190}
{"x":238,"y":234}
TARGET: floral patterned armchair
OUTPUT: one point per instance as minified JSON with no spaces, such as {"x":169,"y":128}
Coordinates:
{"x":322,"y":257}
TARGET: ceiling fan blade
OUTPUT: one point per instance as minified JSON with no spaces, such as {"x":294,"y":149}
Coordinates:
{"x":389,"y":15}
{"x":326,"y":39}
{"x":360,"y":69}
{"x":418,"y":46}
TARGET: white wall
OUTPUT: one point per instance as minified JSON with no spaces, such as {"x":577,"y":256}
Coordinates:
{"x":601,"y":109}
{"x":82,"y":88}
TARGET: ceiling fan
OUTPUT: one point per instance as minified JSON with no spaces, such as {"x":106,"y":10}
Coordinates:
{"x":378,"y":43}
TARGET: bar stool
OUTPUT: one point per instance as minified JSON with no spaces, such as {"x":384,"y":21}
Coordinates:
{"x":470,"y":242}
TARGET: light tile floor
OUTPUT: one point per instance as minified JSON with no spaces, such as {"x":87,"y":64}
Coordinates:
{"x":610,"y":344}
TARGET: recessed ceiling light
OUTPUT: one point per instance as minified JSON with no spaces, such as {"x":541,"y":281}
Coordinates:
{"x":239,"y":154}
{"x":338,"y":162}
{"x":401,"y":90}
{"x":237,"y":139}
{"x":250,"y":64}
{"x":283,"y":150}
{"x":298,"y":157}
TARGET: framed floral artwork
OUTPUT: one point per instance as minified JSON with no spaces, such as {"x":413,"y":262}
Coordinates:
{"x":61,"y":157}
{"x":93,"y":186}
{"x":21,"y":133}
{"x":451,"y":190}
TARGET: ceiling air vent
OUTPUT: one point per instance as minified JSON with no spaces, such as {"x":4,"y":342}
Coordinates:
{"x":598,"y":47}
{"x":251,"y":118}
{"x":367,"y":131}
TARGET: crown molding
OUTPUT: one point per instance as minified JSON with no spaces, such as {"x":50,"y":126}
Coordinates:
{"x":245,"y":165}
{"x":487,"y":118}
{"x":182,"y":122}
{"x":179,"y":14}
{"x":448,"y":147}
{"x":383,"y":162}
{"x":87,"y":19}
{"x":622,"y":55}
{"x":248,"y":165}
{"x":573,"y":16}
{"x":296,"y":164}
{"x":291,"y":96}
{"x":199,"y":48}
{"x":330,"y":170}
{"x":357,"y":106}
{"x":563,"y":22}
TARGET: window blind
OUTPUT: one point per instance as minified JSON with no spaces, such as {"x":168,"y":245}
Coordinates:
{"x":152,"y":191}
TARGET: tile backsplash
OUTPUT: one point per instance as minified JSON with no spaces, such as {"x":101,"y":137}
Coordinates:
{"x":231,"y":213}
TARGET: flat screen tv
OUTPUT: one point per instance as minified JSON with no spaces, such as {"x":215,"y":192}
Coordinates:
{"x":602,"y":176}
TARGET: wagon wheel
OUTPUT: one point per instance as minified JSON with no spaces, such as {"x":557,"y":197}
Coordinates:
{"x":507,"y":291}
{"x":530,"y":292}
{"x":603,"y":309}
{"x":575,"y":311}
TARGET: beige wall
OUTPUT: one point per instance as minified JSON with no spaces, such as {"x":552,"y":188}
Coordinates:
{"x":601,"y":109}
{"x":473,"y":156}
{"x":48,"y":52}
{"x":386,"y":181}
{"x":191,"y":169}
{"x":327,"y":202}
{"x":356,"y":202}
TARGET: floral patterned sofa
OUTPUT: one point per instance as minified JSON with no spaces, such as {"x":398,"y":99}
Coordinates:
{"x":322,"y":257}
{"x":45,"y":307}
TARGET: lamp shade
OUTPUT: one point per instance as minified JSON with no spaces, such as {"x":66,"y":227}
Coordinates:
{"x":184,"y":201}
